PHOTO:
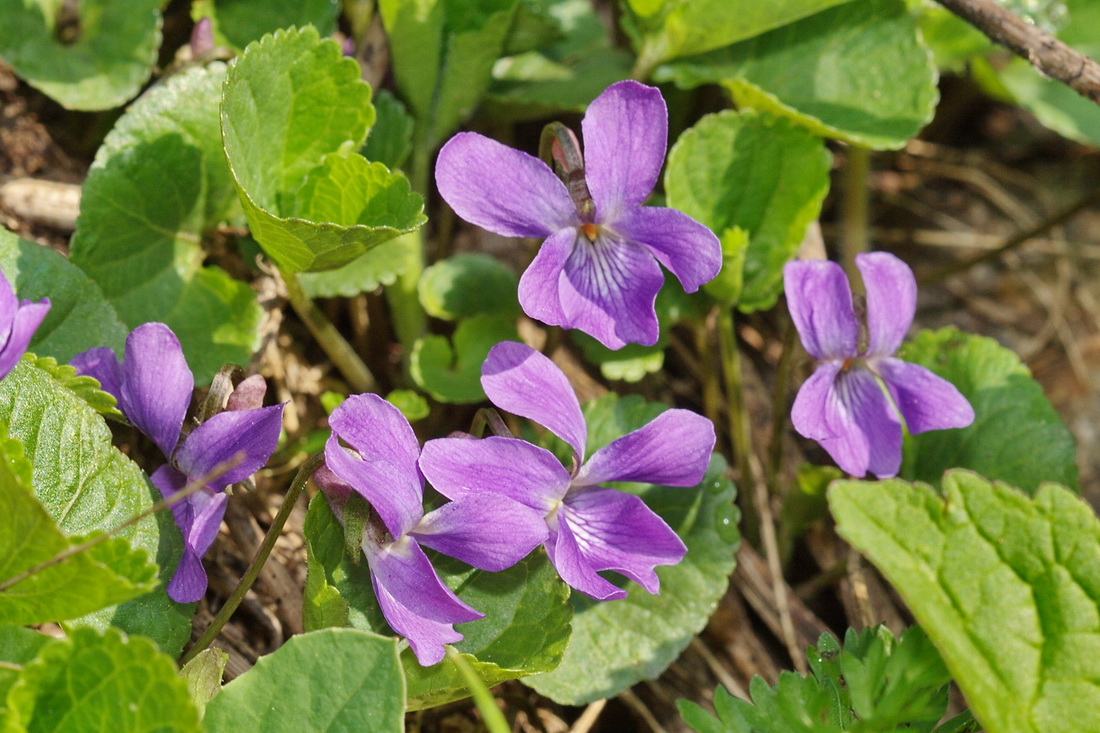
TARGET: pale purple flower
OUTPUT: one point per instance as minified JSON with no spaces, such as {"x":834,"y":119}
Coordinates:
{"x":592,"y":528}
{"x":598,"y":269}
{"x":483,"y":530}
{"x":153,"y":386}
{"x":843,"y":405}
{"x":19,"y":319}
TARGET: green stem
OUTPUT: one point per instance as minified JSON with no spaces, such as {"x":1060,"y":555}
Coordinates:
{"x":711,"y":392}
{"x":258,"y":561}
{"x":651,"y":55}
{"x":335,"y":346}
{"x":740,"y":444}
{"x":857,"y":170}
{"x":409,"y":319}
{"x":490,"y":714}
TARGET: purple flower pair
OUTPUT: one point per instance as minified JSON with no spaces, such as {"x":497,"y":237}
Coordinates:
{"x":153,"y":386}
{"x":859,"y":393}
{"x":591,"y":528}
{"x":19,"y":319}
{"x":380,"y":462}
{"x":598,"y":269}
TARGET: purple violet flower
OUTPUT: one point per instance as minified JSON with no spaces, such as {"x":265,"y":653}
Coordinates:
{"x":19,"y":319}
{"x":592,"y":528}
{"x":597,"y":269}
{"x":483,"y":530}
{"x":843,"y":405}
{"x":153,"y":386}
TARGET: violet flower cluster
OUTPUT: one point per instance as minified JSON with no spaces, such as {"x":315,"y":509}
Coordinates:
{"x":374,"y":452}
{"x":854,"y":402}
{"x":507,"y":496}
{"x":19,"y":319}
{"x":597,"y":270}
{"x":153,"y":387}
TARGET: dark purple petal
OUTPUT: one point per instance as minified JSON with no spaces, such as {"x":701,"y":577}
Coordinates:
{"x":156,"y":384}
{"x":851,"y":418}
{"x":891,"y":300}
{"x":27,"y":319}
{"x":925,"y":400}
{"x":538,"y":288}
{"x":101,"y":364}
{"x":461,"y":468}
{"x":672,"y":450}
{"x":198,"y":517}
{"x":415,"y":602}
{"x":522,"y":381}
{"x":625,"y":132}
{"x":250,"y":434}
{"x":686,"y":248}
{"x":336,"y":492}
{"x":502,"y":189}
{"x":248,"y":395}
{"x":487,"y":531}
{"x":820,"y":303}
{"x":568,"y":559}
{"x":609,"y":290}
{"x":617,"y":531}
{"x":385,"y":472}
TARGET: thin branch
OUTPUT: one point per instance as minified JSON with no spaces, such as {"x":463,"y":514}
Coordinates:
{"x":1042,"y":50}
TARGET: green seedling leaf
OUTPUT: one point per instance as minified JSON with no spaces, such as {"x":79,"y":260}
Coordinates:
{"x":863,"y":74}
{"x":390,"y":140}
{"x":674,"y":28}
{"x":96,"y":682}
{"x":334,"y":679}
{"x":88,"y":486}
{"x":292,"y":110}
{"x":98,"y":62}
{"x":412,"y":404}
{"x":1016,"y":437}
{"x":203,"y":676}
{"x":18,"y":646}
{"x":469,"y":285}
{"x":576,"y":61}
{"x":237,"y":23}
{"x":443,"y":54}
{"x":157,"y":187}
{"x":454,"y":374}
{"x":615,"y":644}
{"x":1004,"y":585}
{"x":629,"y":364}
{"x":524,"y":632}
{"x":79,"y":318}
{"x":873,"y":684}
{"x":751,"y":174}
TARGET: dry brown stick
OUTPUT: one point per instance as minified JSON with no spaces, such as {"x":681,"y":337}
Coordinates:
{"x":1042,"y":50}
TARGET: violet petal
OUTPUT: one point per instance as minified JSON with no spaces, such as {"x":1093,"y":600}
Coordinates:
{"x":248,"y":395}
{"x":573,"y":567}
{"x":926,"y":401}
{"x":538,"y":287}
{"x":27,"y":319}
{"x":414,"y":601}
{"x":851,"y":418}
{"x":198,"y":517}
{"x":609,"y":290}
{"x":625,"y":131}
{"x":156,"y":384}
{"x":9,"y":305}
{"x":502,"y":189}
{"x":891,"y":300}
{"x":618,"y":532}
{"x":487,"y":531}
{"x":385,"y":472}
{"x":101,"y":364}
{"x":820,"y":303}
{"x":460,"y":468}
{"x":686,"y":248}
{"x":253,"y":434}
{"x":671,"y":450}
{"x":524,"y":382}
